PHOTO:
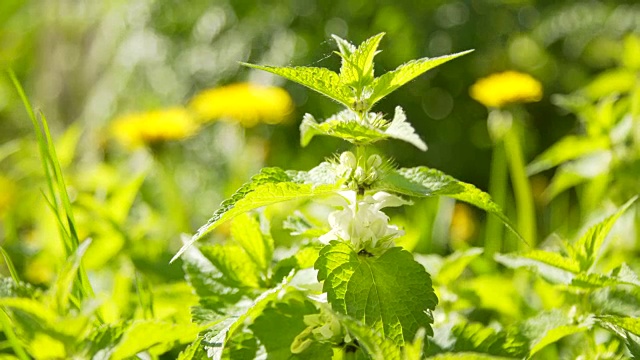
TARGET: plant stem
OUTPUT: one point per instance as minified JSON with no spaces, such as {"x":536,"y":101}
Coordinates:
{"x":522,"y":188}
{"x":497,"y":188}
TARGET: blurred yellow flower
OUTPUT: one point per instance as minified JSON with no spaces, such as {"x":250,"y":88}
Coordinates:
{"x":135,"y":130}
{"x":246,"y":103}
{"x":463,"y":224}
{"x":7,"y":195}
{"x":505,"y":88}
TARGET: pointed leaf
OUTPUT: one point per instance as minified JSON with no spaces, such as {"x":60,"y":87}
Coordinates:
{"x":246,"y":231}
{"x":422,"y":181}
{"x":550,"y":326}
{"x":344,"y":125}
{"x":346,"y":48}
{"x":216,"y":338}
{"x":587,"y":248}
{"x":389,"y":82}
{"x":551,"y":266}
{"x":271,"y":186}
{"x":156,"y":335}
{"x":237,"y":268}
{"x":376,"y":345}
{"x":400,"y":129}
{"x":476,"y":338}
{"x":357,"y":69}
{"x":391,"y":293}
{"x":322,"y":80}
{"x":568,"y":148}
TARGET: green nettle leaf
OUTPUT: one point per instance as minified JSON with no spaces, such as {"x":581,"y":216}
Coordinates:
{"x":553,"y":267}
{"x":587,"y":248}
{"x":551,"y":326}
{"x":422,"y":181}
{"x":236,"y":266}
{"x":356,"y":87}
{"x":453,"y":266}
{"x":348,"y":126}
{"x":357,"y":65}
{"x":391,"y":293}
{"x":322,"y":80}
{"x":478,"y":339}
{"x":270,"y":186}
{"x":246,"y":231}
{"x":343,"y":125}
{"x":629,"y":324}
{"x":400,"y":129}
{"x":280,"y":323}
{"x":156,"y":336}
{"x":391,"y":81}
{"x":377,"y":346}
{"x":194,"y":351}
{"x":622,"y":275}
{"x":216,"y":338}
{"x":568,"y":148}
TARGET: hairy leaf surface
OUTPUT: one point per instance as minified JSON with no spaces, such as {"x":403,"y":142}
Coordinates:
{"x":422,"y":181}
{"x":270,"y":186}
{"x":391,"y":293}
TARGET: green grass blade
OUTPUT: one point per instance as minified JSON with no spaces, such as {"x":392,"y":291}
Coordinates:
{"x":7,"y":327}
{"x":12,"y":269}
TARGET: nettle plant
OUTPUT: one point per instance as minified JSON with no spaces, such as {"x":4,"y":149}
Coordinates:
{"x":347,"y":289}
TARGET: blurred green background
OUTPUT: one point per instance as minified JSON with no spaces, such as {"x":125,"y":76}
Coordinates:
{"x":84,"y":63}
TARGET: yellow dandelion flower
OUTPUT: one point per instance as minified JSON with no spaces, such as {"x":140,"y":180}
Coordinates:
{"x":463,"y":223}
{"x":7,"y":195}
{"x":135,"y":130}
{"x":505,"y":88}
{"x":246,"y":103}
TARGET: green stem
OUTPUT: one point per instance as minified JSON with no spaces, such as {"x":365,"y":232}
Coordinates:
{"x":522,"y":188}
{"x":497,"y":189}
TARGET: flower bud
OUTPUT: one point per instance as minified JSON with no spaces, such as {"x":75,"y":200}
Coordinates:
{"x":374,"y":161}
{"x":348,"y":159}
{"x":360,"y":175}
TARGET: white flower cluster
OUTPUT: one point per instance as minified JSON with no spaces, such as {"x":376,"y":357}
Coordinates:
{"x":362,"y":223}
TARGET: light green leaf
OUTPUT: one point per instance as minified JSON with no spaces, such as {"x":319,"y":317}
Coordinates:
{"x":476,"y":338}
{"x":357,"y":67}
{"x":391,"y":293}
{"x":195,"y":351}
{"x":237,"y":268}
{"x":553,"y":267}
{"x":280,"y":323}
{"x":595,"y":281}
{"x":246,"y":231}
{"x":587,"y":248}
{"x":551,"y":326}
{"x":422,"y":181}
{"x":629,"y":324}
{"x":400,"y":129}
{"x":322,"y":80}
{"x":344,"y":125}
{"x":346,"y":48}
{"x":467,"y":356}
{"x":153,"y":335}
{"x":389,"y":82}
{"x":454,"y":264}
{"x":216,"y":337}
{"x":377,"y":346}
{"x":555,"y":334}
{"x":568,"y":148}
{"x":270,"y":186}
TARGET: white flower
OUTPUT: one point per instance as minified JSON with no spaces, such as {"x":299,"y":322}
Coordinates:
{"x":362,"y":222}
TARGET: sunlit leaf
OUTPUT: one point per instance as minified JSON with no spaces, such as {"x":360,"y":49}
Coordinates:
{"x":389,"y":82}
{"x":587,"y":248}
{"x":568,"y":148}
{"x":153,"y":335}
{"x":391,"y":293}
{"x":322,"y":80}
{"x":270,"y":186}
{"x":422,"y":181}
{"x":246,"y":231}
